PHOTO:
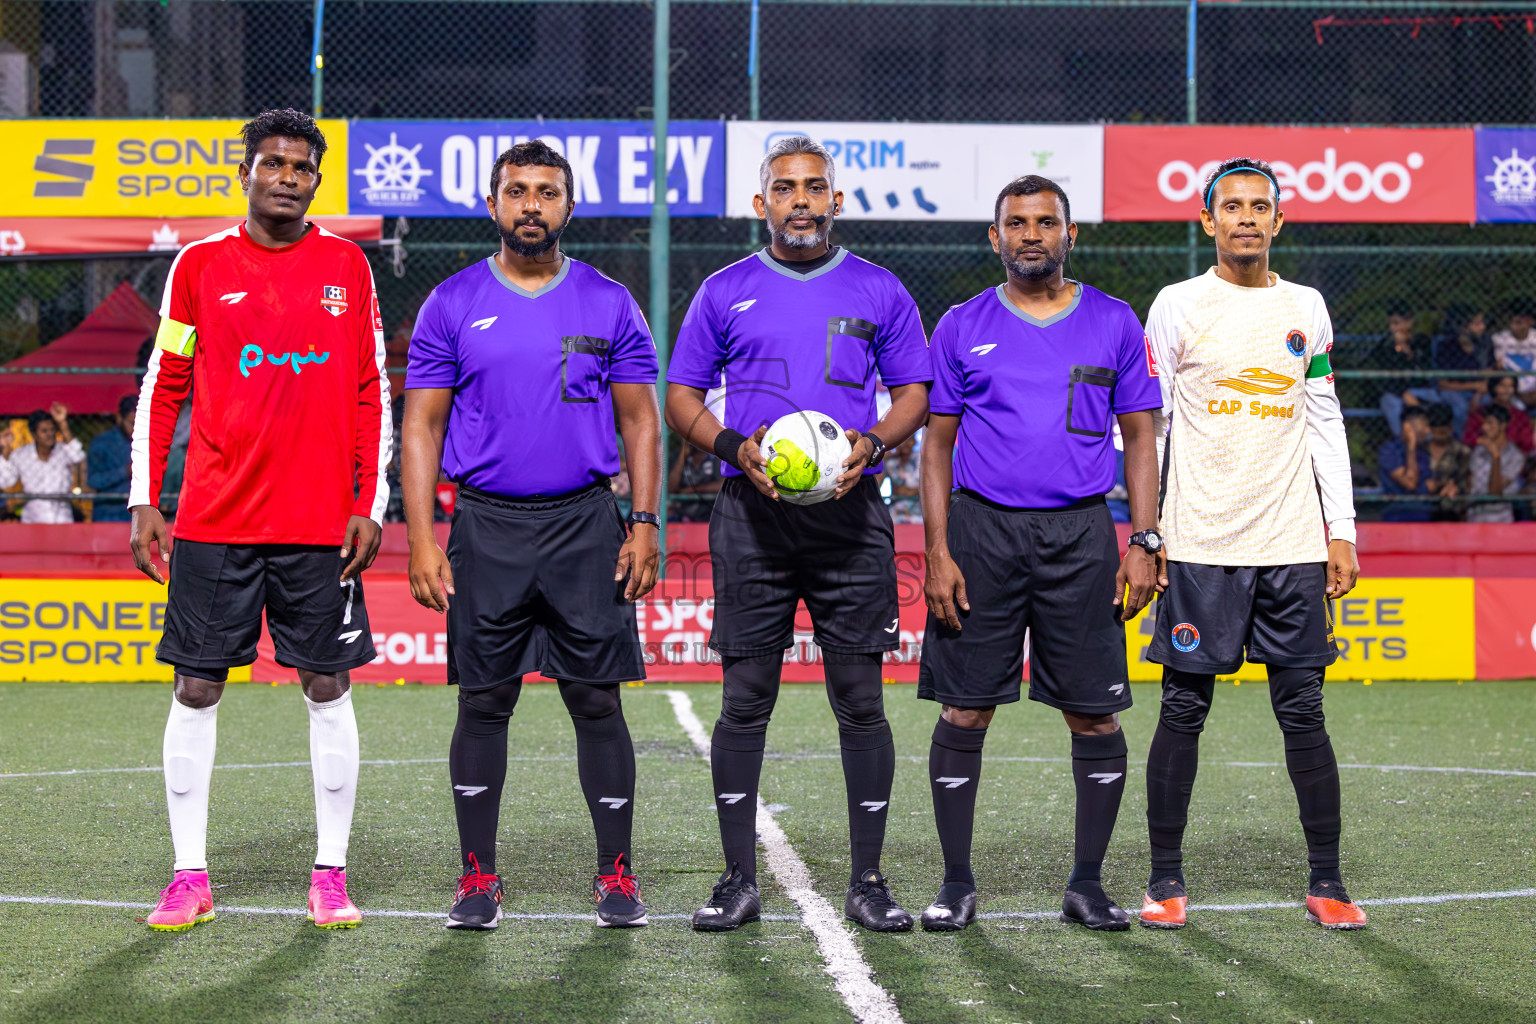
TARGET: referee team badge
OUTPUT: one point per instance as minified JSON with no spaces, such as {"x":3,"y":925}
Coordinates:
{"x":1185,"y":637}
{"x":333,"y":298}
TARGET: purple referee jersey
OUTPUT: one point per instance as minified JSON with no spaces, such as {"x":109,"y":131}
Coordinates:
{"x":764,"y":341}
{"x":1035,"y":397}
{"x":532,"y":415}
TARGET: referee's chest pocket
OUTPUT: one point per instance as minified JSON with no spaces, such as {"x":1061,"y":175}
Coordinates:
{"x":1090,"y":394}
{"x":849,"y":342}
{"x":583,"y":368}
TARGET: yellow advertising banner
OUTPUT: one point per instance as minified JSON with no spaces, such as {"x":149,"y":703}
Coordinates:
{"x":83,"y":631}
{"x":1385,"y":629}
{"x":111,"y":168}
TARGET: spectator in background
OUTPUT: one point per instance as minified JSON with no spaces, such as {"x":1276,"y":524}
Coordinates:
{"x":1402,"y":348}
{"x":1501,"y":393}
{"x":45,"y":466}
{"x":1463,"y":345}
{"x":1450,"y":461}
{"x":1496,"y":466}
{"x":1514,"y":348}
{"x":1405,"y":469}
{"x":108,"y":467}
{"x":695,"y":475}
{"x":900,"y":476}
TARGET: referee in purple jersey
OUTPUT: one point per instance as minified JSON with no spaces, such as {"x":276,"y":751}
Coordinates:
{"x":1029,"y":379}
{"x":522,"y":367}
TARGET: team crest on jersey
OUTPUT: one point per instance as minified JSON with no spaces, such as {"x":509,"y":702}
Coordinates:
{"x":333,"y":299}
{"x":1296,"y":343}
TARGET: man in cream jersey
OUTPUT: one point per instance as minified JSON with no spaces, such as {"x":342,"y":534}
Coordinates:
{"x":1256,"y":436}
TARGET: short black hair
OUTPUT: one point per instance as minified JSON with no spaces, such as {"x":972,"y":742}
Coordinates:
{"x":286,"y":123}
{"x":1415,"y":412}
{"x":1497,"y":412}
{"x":38,"y":416}
{"x":1458,"y":315}
{"x":1400,"y":307}
{"x":1440,"y":415}
{"x":1521,"y":306}
{"x":127,"y":404}
{"x":533,"y":153}
{"x":1030,"y":185}
{"x":1495,"y":381}
{"x":1240,"y":163}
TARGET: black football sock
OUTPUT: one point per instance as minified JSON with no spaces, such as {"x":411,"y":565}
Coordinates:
{"x":1098,"y":769}
{"x":736,"y":763}
{"x":1315,"y":775}
{"x":954,"y":772}
{"x":477,"y":768}
{"x":1171,"y":766}
{"x":855,"y":688}
{"x":605,"y":763}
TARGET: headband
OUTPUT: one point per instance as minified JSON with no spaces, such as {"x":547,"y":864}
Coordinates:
{"x":1211,"y":188}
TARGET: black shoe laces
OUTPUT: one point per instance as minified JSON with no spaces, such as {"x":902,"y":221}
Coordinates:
{"x":1330,"y":890}
{"x":726,"y":891}
{"x":877,"y":895}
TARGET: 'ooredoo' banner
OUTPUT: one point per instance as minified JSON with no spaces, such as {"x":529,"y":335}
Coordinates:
{"x":1374,"y":175}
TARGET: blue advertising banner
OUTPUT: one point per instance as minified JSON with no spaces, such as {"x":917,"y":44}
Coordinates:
{"x":1505,"y":174}
{"x":443,"y":168}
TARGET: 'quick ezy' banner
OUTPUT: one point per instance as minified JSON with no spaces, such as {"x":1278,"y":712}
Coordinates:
{"x":443,"y":168}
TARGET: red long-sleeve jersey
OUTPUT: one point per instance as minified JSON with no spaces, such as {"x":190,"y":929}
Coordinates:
{"x":282,"y":351}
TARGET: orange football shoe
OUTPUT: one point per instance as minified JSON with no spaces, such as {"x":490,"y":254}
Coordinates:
{"x":1164,"y":904}
{"x":1330,"y":906}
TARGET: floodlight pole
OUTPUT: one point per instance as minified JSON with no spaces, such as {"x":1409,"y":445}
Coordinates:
{"x":661,"y":235}
{"x":317,"y":62}
{"x":1192,"y":241}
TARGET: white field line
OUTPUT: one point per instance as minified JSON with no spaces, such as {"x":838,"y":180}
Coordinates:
{"x":1389,"y":901}
{"x":851,"y":975}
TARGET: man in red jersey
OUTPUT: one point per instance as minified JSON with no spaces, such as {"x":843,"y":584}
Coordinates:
{"x":275,"y":325}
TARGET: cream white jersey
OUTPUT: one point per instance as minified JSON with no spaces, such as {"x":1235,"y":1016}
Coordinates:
{"x":1257,"y":459}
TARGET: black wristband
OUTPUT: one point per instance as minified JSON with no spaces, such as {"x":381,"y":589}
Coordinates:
{"x":727,"y":444}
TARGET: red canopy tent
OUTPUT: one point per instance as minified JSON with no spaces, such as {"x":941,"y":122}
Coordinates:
{"x":110,"y":336}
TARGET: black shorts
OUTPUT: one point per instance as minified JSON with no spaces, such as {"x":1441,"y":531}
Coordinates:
{"x":1051,"y":572}
{"x":839,"y":557}
{"x":218,"y":592}
{"x":1209,"y":613}
{"x":534,"y":591}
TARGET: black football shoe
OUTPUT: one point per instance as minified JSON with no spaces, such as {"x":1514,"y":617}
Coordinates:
{"x":618,"y":898}
{"x":477,"y":903}
{"x":734,"y":902}
{"x":871,"y":904}
{"x":1090,"y":906}
{"x":952,"y":909}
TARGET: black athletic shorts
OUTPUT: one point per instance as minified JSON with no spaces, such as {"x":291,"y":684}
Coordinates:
{"x":534,"y":591}
{"x":839,"y":557}
{"x":218,"y":592}
{"x":1209,"y":613}
{"x":1050,"y":571}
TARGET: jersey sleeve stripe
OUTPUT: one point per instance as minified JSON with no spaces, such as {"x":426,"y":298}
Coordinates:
{"x":386,"y":420}
{"x":138,"y":484}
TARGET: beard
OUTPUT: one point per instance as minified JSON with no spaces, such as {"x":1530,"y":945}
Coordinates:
{"x":1038,"y":270}
{"x":1244,"y":259}
{"x":799,"y":239}
{"x":530,"y":250}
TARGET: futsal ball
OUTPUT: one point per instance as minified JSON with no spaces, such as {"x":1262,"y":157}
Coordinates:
{"x":805,"y":453}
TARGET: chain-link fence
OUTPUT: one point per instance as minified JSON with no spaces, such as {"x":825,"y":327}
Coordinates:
{"x":1136,"y":61}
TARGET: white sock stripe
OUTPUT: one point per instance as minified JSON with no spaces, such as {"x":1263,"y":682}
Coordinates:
{"x":851,"y":975}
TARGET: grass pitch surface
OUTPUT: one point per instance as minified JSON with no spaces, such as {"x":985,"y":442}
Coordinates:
{"x":102,"y":836}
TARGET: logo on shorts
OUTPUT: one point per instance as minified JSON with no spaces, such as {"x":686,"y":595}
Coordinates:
{"x":1296,"y":343}
{"x":1185,"y":637}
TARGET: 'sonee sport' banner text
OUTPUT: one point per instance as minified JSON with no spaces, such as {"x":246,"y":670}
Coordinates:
{"x":890,"y":171}
{"x":1505,"y":174}
{"x":1371,"y":175}
{"x":119,"y":168}
{"x":443,"y":168}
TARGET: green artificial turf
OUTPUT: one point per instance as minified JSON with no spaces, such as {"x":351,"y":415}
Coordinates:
{"x":1406,"y":833}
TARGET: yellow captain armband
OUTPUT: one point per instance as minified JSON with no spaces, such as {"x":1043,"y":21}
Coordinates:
{"x":175,"y":337}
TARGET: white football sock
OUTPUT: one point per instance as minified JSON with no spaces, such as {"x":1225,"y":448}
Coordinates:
{"x":190,"y":737}
{"x":333,"y":757}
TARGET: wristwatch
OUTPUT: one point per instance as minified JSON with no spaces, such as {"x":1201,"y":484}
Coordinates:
{"x":879,"y":453}
{"x":1149,"y":541}
{"x":635,"y":518}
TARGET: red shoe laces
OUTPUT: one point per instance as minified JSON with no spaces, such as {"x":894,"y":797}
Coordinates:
{"x":474,"y":880}
{"x":625,"y":884}
{"x":333,"y":891}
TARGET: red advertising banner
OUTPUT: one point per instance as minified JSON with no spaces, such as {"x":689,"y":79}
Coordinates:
{"x":1506,"y":628}
{"x":674,"y":622}
{"x":1371,"y":175}
{"x":73,"y":236}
